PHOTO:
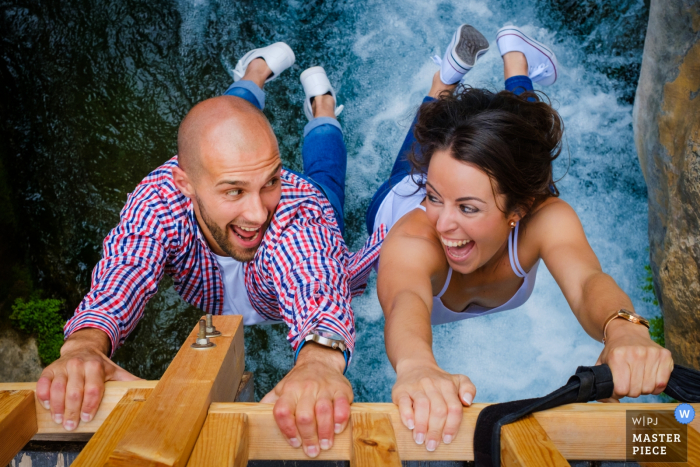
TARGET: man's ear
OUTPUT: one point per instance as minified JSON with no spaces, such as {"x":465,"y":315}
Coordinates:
{"x":183,"y":182}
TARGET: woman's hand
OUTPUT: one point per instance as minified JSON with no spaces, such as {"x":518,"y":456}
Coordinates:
{"x":430,"y":401}
{"x":638,"y":364}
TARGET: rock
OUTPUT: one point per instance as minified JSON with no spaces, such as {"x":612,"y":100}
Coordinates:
{"x":667,"y":136}
{"x":19,"y":357}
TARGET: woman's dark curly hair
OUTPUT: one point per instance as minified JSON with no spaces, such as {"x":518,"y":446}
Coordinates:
{"x":511,"y":139}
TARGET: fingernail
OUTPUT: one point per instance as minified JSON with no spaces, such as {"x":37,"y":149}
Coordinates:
{"x":69,"y":425}
{"x":46,"y":405}
{"x":312,"y":451}
{"x":58,"y":418}
{"x":410,"y":424}
{"x":325,"y":444}
{"x":294,"y":442}
{"x":338,"y":428}
{"x":447,"y":439}
{"x":468,"y":398}
{"x":85,"y":417}
{"x":432,"y":444}
{"x":420,"y":437}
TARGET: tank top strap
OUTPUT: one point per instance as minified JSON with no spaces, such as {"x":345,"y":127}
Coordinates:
{"x":447,"y":284}
{"x":513,"y":252}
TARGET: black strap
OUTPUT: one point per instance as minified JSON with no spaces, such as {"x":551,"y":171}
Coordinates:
{"x":590,"y":383}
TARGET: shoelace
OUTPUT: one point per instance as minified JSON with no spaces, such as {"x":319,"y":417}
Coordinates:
{"x":437,"y":60}
{"x":541,"y":69}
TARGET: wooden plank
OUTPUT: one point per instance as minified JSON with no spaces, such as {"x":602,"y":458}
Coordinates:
{"x":17,"y":422}
{"x":164,"y":432}
{"x":112,"y":430}
{"x":525,"y":443}
{"x":223,"y":442}
{"x":579,"y":431}
{"x":693,"y":453}
{"x":373,"y":441}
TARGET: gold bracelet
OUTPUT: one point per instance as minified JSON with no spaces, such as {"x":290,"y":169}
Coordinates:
{"x":630,"y":316}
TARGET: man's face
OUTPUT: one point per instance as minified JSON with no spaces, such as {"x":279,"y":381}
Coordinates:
{"x":237,"y":186}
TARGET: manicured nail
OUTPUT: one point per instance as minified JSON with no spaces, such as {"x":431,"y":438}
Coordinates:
{"x":58,"y":418}
{"x":294,"y":442}
{"x":432,"y":444}
{"x":325,"y":444}
{"x":419,"y":437}
{"x":69,"y":425}
{"x":85,"y":417}
{"x":338,"y":428}
{"x":468,"y":398}
{"x":312,"y":451}
{"x":46,"y":405}
{"x":410,"y":424}
{"x":447,"y":439}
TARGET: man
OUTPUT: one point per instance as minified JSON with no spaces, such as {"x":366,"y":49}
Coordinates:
{"x":239,"y":235}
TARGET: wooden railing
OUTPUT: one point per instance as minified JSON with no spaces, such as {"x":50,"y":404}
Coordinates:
{"x":187,"y":419}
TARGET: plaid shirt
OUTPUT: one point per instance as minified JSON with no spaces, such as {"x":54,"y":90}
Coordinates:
{"x":302,"y":273}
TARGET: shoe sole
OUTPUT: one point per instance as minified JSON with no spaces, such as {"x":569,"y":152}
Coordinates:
{"x":546,"y":51}
{"x":470,"y":46}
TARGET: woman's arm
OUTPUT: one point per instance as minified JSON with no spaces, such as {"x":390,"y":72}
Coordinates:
{"x":429,"y":399}
{"x":639,"y":365}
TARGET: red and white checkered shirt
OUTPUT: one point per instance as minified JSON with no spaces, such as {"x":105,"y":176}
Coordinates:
{"x":302,"y":273}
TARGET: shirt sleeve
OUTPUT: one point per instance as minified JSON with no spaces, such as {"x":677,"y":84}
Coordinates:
{"x":127,"y":276}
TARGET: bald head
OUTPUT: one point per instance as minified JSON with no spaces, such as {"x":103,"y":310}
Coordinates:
{"x":224,"y":127}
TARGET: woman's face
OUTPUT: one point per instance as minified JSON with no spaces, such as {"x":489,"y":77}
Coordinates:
{"x":460,"y":203}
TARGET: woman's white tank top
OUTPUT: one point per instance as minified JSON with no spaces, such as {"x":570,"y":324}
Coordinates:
{"x":406,"y":196}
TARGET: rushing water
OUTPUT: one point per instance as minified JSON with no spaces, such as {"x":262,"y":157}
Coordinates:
{"x":93,"y":92}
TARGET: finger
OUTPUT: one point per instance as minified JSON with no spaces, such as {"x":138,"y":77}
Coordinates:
{"x":43,"y":388}
{"x":120,"y":374}
{"x":270,"y":398}
{"x":324,"y":412}
{"x":651,"y":368}
{"x":74,"y":393}
{"x":406,"y":411}
{"x":421,"y":410}
{"x":341,"y":413}
{"x":467,"y":390}
{"x":663,"y":372}
{"x":283,"y":412}
{"x":436,"y":421}
{"x":93,"y":391}
{"x":621,"y":375}
{"x":305,"y":417}
{"x":637,"y":369}
{"x":58,"y":397}
{"x":454,"y":416}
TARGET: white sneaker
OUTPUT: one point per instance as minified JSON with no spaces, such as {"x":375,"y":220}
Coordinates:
{"x":315,"y":83}
{"x":466,"y":47}
{"x":542,"y":65}
{"x":278,"y":56}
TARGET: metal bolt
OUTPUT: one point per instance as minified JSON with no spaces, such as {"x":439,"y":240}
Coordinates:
{"x":202,"y":341}
{"x":211,"y":329}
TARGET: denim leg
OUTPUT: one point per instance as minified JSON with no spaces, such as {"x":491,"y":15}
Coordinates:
{"x":519,"y":84}
{"x":249,"y":91}
{"x":326,"y":159}
{"x":399,"y":171}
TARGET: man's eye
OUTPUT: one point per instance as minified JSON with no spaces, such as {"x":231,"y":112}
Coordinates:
{"x":233,"y":192}
{"x":271,"y":182}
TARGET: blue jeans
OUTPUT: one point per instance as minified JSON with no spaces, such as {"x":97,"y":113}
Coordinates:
{"x":515,"y":84}
{"x":324,"y":155}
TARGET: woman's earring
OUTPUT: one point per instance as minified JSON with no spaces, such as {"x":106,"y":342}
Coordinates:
{"x":512,"y":224}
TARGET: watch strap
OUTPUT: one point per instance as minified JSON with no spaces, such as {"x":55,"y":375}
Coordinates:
{"x":627,"y":315}
{"x":346,"y":355}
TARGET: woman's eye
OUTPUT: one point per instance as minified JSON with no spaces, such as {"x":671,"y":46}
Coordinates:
{"x":468,"y":209}
{"x":433,"y":199}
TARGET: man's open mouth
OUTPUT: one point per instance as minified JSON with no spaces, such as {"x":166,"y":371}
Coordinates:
{"x":248,"y":236}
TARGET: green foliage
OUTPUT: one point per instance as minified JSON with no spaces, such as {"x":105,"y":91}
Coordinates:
{"x":648,"y":287}
{"x":656,"y":330}
{"x":43,"y":318}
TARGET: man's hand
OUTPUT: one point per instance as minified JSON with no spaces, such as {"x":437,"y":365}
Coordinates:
{"x":72,"y":387}
{"x":312,"y":402}
{"x":430,"y":401}
{"x":638,"y":364}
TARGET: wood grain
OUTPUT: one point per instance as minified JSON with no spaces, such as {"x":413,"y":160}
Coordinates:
{"x":17,"y":422}
{"x":525,"y":443}
{"x":112,"y":430}
{"x":223,"y":442}
{"x":164,"y":432}
{"x":373,"y":441}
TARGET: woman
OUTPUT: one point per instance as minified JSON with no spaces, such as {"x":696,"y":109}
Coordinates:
{"x":472,"y":210}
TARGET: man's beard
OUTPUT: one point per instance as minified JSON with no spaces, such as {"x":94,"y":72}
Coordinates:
{"x":220,"y":236}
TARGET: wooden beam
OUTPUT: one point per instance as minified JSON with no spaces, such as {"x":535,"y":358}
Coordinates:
{"x":164,"y":432}
{"x":693,"y":453}
{"x":223,"y":442}
{"x":17,"y":422}
{"x":525,"y":443}
{"x":579,"y":431}
{"x":373,"y":441}
{"x":112,"y":430}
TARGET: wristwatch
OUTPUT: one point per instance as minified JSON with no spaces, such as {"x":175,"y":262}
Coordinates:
{"x":630,"y":316}
{"x":326,"y":339}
